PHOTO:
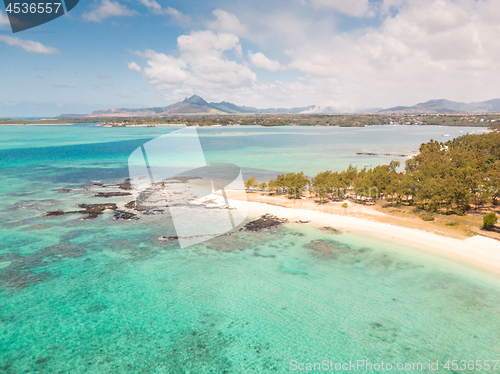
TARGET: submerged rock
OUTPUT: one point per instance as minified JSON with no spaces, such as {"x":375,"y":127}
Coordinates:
{"x":96,"y":208}
{"x":332,"y":230}
{"x":24,"y":271}
{"x":112,"y":194}
{"x":267,"y":221}
{"x":130,"y":205}
{"x":93,"y":210}
{"x":328,"y":249}
{"x":19,"y":279}
{"x":124,"y":216}
{"x":125,"y":185}
{"x":164,"y":238}
{"x":55,"y":213}
{"x":96,"y":308}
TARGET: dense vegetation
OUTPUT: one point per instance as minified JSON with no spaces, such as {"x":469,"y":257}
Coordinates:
{"x":446,"y":177}
{"x":358,"y":120}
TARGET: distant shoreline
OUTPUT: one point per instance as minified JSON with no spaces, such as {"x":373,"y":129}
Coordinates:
{"x":36,"y":124}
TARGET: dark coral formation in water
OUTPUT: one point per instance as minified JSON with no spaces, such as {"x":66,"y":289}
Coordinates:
{"x":112,"y":194}
{"x":328,"y":249}
{"x":55,"y":213}
{"x":165,"y":238}
{"x":130,"y":205}
{"x":228,"y":243}
{"x":91,"y":211}
{"x":124,"y":216}
{"x":125,"y":185}
{"x":267,"y":221}
{"x":21,"y":272}
{"x":332,"y":230}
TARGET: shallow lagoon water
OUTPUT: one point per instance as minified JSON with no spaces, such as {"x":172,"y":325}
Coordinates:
{"x":105,"y":296}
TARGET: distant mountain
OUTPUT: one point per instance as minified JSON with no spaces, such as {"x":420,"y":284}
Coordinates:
{"x":196,"y":105}
{"x":446,"y":107}
{"x":192,"y":105}
{"x":71,"y":115}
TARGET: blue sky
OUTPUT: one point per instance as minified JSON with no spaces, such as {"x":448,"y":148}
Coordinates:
{"x":331,"y":53}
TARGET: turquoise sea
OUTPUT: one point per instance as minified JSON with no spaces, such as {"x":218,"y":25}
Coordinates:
{"x":104,"y":296}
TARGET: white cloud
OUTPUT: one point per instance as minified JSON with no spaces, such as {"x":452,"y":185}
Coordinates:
{"x":28,"y":45}
{"x":105,"y":9}
{"x":489,"y":11}
{"x":317,"y":64}
{"x":284,"y":28}
{"x":420,"y":51}
{"x":429,"y":49}
{"x":203,"y":43}
{"x":153,"y":6}
{"x":226,"y":22}
{"x":157,"y":9}
{"x":355,"y":8}
{"x":133,"y":66}
{"x":164,"y":71}
{"x":4,"y":20}
{"x":259,"y":60}
{"x":201,"y":64}
{"x":178,"y":15}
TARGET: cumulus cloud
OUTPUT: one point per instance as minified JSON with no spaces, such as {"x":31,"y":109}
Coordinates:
{"x":153,"y":6}
{"x":28,"y":45}
{"x":178,"y":15}
{"x":317,"y":64}
{"x":226,"y":22}
{"x":164,"y":71}
{"x":355,"y":8}
{"x":419,"y":51}
{"x":4,"y":20}
{"x":201,"y":64}
{"x":489,"y":11}
{"x":157,"y":9}
{"x":207,"y":43}
{"x":259,"y":60}
{"x":106,"y":9}
{"x":430,"y":49}
{"x":133,"y":66}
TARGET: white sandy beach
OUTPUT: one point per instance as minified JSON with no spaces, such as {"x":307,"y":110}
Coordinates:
{"x":477,"y":250}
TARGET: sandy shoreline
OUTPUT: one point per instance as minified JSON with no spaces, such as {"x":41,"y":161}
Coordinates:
{"x":477,"y":250}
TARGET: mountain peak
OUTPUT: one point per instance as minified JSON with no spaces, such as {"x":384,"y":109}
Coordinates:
{"x":195,"y":99}
{"x":443,"y":106}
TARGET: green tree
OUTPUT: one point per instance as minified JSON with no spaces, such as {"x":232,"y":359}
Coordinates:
{"x":251,"y":183}
{"x":322,"y":185}
{"x":295,"y":183}
{"x":489,"y":220}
